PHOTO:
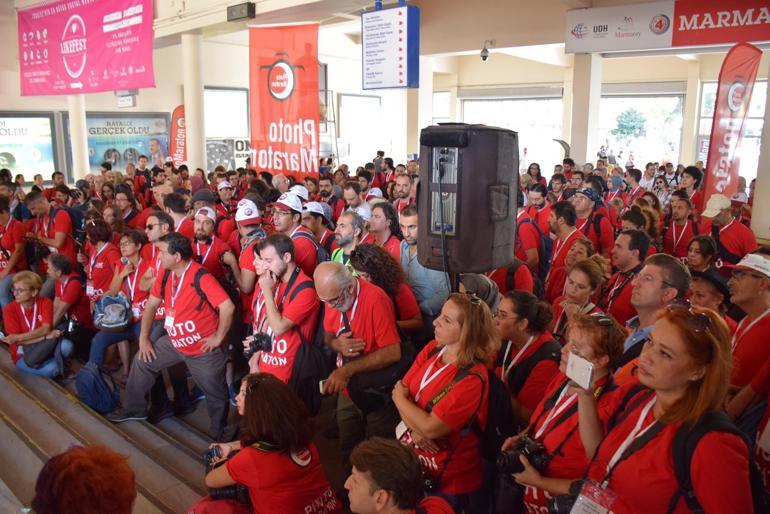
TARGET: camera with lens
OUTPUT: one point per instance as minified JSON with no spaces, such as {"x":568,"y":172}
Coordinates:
{"x":429,"y":484}
{"x":508,"y":461}
{"x":563,"y":503}
{"x":237,"y":492}
{"x":260,"y":342}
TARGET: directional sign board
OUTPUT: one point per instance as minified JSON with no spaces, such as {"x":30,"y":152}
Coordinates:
{"x":391,"y":48}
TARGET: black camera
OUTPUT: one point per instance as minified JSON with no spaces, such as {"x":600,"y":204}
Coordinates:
{"x":237,"y":492}
{"x":508,"y":461}
{"x":563,"y":503}
{"x":259,"y":343}
{"x":430,"y":484}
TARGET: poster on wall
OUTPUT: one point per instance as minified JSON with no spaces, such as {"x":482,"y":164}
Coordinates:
{"x":283,"y":98}
{"x":120,"y":139}
{"x":228,"y":152}
{"x":85,"y":46}
{"x":27,"y":145}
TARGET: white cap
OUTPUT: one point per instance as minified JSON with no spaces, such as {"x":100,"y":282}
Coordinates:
{"x":740,"y":197}
{"x":247,"y":212}
{"x":316,"y":208}
{"x":716,"y":204}
{"x":754,"y":262}
{"x":224,"y":184}
{"x":288,"y":201}
{"x":364,"y":210}
{"x":207,"y":212}
{"x":375,"y":192}
{"x":629,"y":164}
{"x":300,"y":191}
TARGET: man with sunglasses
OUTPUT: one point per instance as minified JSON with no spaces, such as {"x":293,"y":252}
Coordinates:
{"x":750,"y":290}
{"x":662,"y":281}
{"x":360,"y":325}
{"x":287,"y":219}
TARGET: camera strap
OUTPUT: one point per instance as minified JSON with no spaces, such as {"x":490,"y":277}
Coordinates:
{"x":289,"y":285}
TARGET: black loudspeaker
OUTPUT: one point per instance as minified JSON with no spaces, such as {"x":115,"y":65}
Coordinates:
{"x":468,"y":181}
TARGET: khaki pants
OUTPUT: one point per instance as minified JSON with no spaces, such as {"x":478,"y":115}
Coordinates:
{"x":354,"y":426}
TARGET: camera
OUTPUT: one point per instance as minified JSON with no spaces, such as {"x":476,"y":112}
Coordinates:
{"x":484,"y":54}
{"x":508,"y":461}
{"x":429,"y":484}
{"x":259,"y":343}
{"x":237,"y":492}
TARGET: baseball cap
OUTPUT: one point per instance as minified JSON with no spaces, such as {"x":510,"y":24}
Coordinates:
{"x":288,"y":201}
{"x":300,"y":191}
{"x":365,"y":211}
{"x":82,"y":184}
{"x":203,"y":195}
{"x":629,"y":164}
{"x":208,"y":212}
{"x":590,"y":193}
{"x":316,"y":208}
{"x":224,"y":184}
{"x":375,"y":192}
{"x":247,"y":213}
{"x":739,"y":197}
{"x":754,"y":262}
{"x":716,"y":204}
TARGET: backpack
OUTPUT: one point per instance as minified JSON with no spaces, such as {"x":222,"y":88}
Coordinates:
{"x":510,"y":279}
{"x":544,"y":252}
{"x":77,"y":219}
{"x":723,"y":252}
{"x":596,"y":222}
{"x":321,"y":254}
{"x":551,"y":350}
{"x":113,"y":313}
{"x":196,"y":285}
{"x":96,"y":388}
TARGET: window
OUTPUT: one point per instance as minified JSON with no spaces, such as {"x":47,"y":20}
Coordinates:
{"x":226,"y":112}
{"x":359,"y":115}
{"x":442,"y":107}
{"x":537,"y":121}
{"x":27,"y":144}
{"x":749,"y":151}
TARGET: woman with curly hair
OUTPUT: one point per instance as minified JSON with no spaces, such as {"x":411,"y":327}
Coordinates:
{"x":375,"y":264}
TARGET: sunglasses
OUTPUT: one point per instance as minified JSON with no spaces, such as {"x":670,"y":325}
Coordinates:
{"x":697,"y":321}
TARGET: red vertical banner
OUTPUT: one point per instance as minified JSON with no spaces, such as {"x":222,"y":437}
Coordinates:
{"x":178,"y":140}
{"x":283,"y":99}
{"x":736,"y":83}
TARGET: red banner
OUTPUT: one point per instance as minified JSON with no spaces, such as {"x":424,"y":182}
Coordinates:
{"x":178,"y":143}
{"x":736,"y":83}
{"x":713,"y":22}
{"x":283,"y":103}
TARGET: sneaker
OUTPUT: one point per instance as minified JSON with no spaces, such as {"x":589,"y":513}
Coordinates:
{"x":122,"y":414}
{"x":155,"y":416}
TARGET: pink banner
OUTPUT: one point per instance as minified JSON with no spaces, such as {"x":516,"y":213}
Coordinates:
{"x":85,"y":46}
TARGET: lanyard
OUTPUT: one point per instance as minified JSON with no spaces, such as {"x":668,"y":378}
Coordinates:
{"x":581,"y":227}
{"x":44,"y":225}
{"x":515,"y":359}
{"x":562,"y":403}
{"x":179,"y":287}
{"x":198,"y":250}
{"x":726,"y":226}
{"x":426,"y":379}
{"x":176,"y":228}
{"x":637,"y":432}
{"x":30,"y":325}
{"x":561,"y":246}
{"x":5,"y":228}
{"x":743,"y":328}
{"x":673,"y":232}
{"x":635,"y":191}
{"x":618,"y":288}
{"x":93,"y":261}
{"x":132,"y":285}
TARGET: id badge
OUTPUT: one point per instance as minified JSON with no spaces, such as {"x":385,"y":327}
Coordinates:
{"x":135,"y":312}
{"x":169,"y":323}
{"x":593,"y":499}
{"x":90,"y":288}
{"x":402,"y":433}
{"x":764,"y":439}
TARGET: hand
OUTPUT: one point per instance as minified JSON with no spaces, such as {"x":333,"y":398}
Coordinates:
{"x":582,"y":394}
{"x":126,"y":271}
{"x":570,"y":308}
{"x":400,"y":390}
{"x":266,"y":282}
{"x":11,"y":338}
{"x":54,"y":334}
{"x":423,"y":443}
{"x":254,"y":362}
{"x":511,"y":441}
{"x":82,"y":258}
{"x":348,"y":346}
{"x":149,"y":273}
{"x":224,"y":448}
{"x":229,"y":259}
{"x":337,"y":381}
{"x":529,"y":476}
{"x":211,"y":343}
{"x":146,"y":351}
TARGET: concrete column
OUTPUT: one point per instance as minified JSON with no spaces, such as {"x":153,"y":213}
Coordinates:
{"x":690,"y":114}
{"x":419,"y":106}
{"x":566,"y":105}
{"x":76,"y":107}
{"x":760,"y":216}
{"x":587,"y":90}
{"x":192,"y":72}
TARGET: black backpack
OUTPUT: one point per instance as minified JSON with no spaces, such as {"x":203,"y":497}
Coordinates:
{"x":321,"y":254}
{"x":196,"y":285}
{"x":510,"y":279}
{"x":551,"y":350}
{"x":595,"y":220}
{"x":544,"y":252}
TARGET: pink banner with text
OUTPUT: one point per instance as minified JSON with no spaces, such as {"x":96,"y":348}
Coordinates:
{"x":85,"y":46}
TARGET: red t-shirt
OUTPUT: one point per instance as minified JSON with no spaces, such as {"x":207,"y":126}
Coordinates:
{"x":18,"y":320}
{"x":554,"y":282}
{"x":209,"y":256}
{"x":541,"y":217}
{"x":130,"y":287}
{"x":71,"y":291}
{"x":406,"y":303}
{"x":534,"y":386}
{"x":522,"y":279}
{"x":100,"y":269}
{"x":369,"y":238}
{"x":617,"y":300}
{"x":750,"y":349}
{"x":434,"y":505}
{"x":302,"y":310}
{"x":278,"y":482}
{"x":737,"y":238}
{"x":719,"y":488}
{"x":677,"y":238}
{"x":190,"y":325}
{"x":527,"y":237}
{"x":605,"y":239}
{"x":393,"y":246}
{"x":246,"y":263}
{"x":186,"y":227}
{"x":48,"y":226}
{"x":305,"y":253}
{"x":462,"y":474}
{"x":13,"y":234}
{"x":141,"y":219}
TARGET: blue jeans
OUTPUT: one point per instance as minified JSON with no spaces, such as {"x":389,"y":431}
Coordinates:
{"x":53,"y":367}
{"x":6,"y":296}
{"x":103,"y":340}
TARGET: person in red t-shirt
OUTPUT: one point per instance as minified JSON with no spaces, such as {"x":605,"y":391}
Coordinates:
{"x":689,"y":182}
{"x":13,"y":256}
{"x":207,"y":247}
{"x":287,"y":217}
{"x":733,"y":238}
{"x":590,"y":222}
{"x":375,"y":264}
{"x":523,"y":321}
{"x":465,"y":340}
{"x":360,"y":325}
{"x":385,"y":229}
{"x":584,"y":280}
{"x":52,"y":228}
{"x":285,"y":308}
{"x":402,"y":192}
{"x":176,"y":206}
{"x":562,"y":224}
{"x":554,"y":422}
{"x":226,"y":204}
{"x":326,"y":192}
{"x":628,"y":256}
{"x":683,"y":369}
{"x":276,"y":458}
{"x":198,"y":314}
{"x":387,"y":478}
{"x":315,"y":219}
{"x":539,"y":209}
{"x":709,"y":290}
{"x":70,"y":298}
{"x":682,"y":229}
{"x":27,"y":320}
{"x":103,"y":259}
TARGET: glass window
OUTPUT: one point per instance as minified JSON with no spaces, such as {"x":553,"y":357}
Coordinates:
{"x":537,"y":121}
{"x":27,"y":145}
{"x":442,"y":106}
{"x":226,"y":112}
{"x":358,"y":115}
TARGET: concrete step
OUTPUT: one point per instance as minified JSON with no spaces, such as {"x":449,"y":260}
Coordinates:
{"x":8,"y":501}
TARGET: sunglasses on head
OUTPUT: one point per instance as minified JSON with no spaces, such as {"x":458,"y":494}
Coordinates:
{"x":698,"y":322}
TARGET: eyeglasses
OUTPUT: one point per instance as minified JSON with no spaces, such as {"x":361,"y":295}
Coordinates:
{"x":280,"y":212}
{"x":337,"y":300}
{"x":151,"y":226}
{"x":697,"y":321}
{"x":739,"y":273}
{"x":18,"y":290}
{"x":123,"y":244}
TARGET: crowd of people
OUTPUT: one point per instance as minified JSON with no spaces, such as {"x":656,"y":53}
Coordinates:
{"x":270,"y":293}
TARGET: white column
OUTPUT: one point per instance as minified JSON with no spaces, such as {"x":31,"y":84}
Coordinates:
{"x":587,"y":90}
{"x":566,"y":106}
{"x":193,"y":99}
{"x":690,"y":114}
{"x":76,"y":108}
{"x":419,"y":106}
{"x":760,"y":216}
